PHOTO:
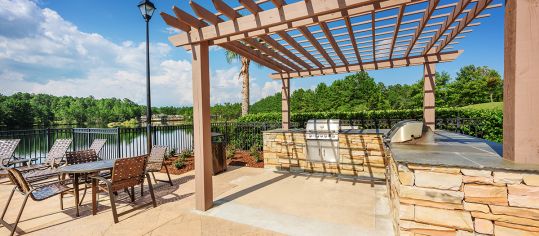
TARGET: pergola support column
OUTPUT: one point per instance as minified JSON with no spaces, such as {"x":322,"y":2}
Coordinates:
{"x":201,"y":127}
{"x":285,"y":104}
{"x":521,"y":82}
{"x":429,"y":85}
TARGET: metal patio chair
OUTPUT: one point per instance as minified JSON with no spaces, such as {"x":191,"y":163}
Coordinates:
{"x":79,"y":157}
{"x":156,"y":160}
{"x":37,"y":193}
{"x":97,"y":145}
{"x":126,"y":173}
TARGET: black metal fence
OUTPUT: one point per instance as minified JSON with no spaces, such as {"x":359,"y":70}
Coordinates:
{"x":123,"y":142}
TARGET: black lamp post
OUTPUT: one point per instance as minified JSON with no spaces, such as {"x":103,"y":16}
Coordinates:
{"x":146,"y":9}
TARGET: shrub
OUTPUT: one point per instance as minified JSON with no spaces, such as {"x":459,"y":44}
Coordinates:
{"x":171,"y":153}
{"x":230,"y":151}
{"x":179,"y":163}
{"x":185,"y":154}
{"x":255,"y":153}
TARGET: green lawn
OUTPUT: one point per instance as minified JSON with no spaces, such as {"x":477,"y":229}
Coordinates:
{"x":487,"y":106}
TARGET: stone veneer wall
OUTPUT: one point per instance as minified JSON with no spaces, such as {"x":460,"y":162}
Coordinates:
{"x":359,"y":154}
{"x":428,"y":200}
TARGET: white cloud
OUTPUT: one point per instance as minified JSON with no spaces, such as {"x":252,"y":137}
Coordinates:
{"x":40,"y":52}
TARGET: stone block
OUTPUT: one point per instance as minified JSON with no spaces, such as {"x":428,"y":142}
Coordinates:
{"x":477,"y":180}
{"x":516,"y":226}
{"x":442,"y":217}
{"x":508,"y":177}
{"x":488,"y":194}
{"x":406,"y":212}
{"x":449,"y":206}
{"x":506,"y":231}
{"x":406,"y":178}
{"x":438,"y":180}
{"x":523,"y":190}
{"x":531,"y":179}
{"x":435,"y":195}
{"x":515,"y":211}
{"x":374,"y":159}
{"x":368,"y":174}
{"x":524,"y":201}
{"x":478,"y":173}
{"x":476,"y":207}
{"x":448,"y":170}
{"x":504,"y":218}
{"x":483,"y":226}
{"x":414,"y":226}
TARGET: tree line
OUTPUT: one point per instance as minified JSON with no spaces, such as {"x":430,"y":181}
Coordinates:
{"x":359,"y":92}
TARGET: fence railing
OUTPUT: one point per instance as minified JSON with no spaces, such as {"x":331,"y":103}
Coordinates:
{"x":123,"y":142}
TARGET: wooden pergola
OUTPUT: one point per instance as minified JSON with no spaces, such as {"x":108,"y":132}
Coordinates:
{"x":305,"y":38}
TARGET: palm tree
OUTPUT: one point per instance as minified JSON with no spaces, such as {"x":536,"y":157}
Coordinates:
{"x":244,"y":74}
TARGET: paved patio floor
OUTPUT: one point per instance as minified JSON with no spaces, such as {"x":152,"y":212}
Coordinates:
{"x":248,"y":201}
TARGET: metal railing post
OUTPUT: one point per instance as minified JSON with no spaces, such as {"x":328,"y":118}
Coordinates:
{"x":118,"y":144}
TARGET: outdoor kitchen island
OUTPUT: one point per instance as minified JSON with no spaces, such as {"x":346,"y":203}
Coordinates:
{"x":359,"y":152}
{"x":458,"y":185}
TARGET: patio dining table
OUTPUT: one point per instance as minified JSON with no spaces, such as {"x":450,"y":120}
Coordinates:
{"x":84,"y":168}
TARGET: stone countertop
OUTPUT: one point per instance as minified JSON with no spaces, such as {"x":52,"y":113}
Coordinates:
{"x":457,"y":150}
{"x":344,"y":131}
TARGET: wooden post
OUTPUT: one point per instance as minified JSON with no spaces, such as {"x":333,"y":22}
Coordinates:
{"x":521,"y":82}
{"x":429,"y":114}
{"x":201,"y":127}
{"x":285,"y":104}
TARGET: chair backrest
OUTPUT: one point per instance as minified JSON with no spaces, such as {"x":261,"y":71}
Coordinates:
{"x":83,"y":156}
{"x":128,"y":172}
{"x":97,"y":145}
{"x":18,"y":180}
{"x":156,"y":158}
{"x":7,"y":148}
{"x":57,"y":152}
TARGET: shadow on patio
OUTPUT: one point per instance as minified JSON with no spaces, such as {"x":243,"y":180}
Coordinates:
{"x":248,"y":201}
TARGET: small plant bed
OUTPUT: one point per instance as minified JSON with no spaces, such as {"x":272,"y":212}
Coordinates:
{"x":189,"y":165}
{"x":244,"y":158}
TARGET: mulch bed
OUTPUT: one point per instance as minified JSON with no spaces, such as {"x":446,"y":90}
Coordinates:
{"x":241,"y":158}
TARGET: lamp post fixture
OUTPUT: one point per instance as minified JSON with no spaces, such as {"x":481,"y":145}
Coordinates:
{"x":146,"y":9}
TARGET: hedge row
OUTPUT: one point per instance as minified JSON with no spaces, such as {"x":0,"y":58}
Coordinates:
{"x":480,"y":123}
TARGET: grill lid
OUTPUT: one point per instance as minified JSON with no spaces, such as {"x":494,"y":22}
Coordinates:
{"x":323,"y":126}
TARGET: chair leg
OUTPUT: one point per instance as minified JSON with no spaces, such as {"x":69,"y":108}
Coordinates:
{"x":20,"y":214}
{"x":168,"y":174}
{"x":142,"y":188}
{"x":113,"y":206}
{"x":7,"y":204}
{"x":154,"y":179}
{"x":151,"y":190}
{"x":133,"y":193}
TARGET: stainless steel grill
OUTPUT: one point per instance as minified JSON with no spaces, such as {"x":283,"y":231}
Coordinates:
{"x":323,"y":140}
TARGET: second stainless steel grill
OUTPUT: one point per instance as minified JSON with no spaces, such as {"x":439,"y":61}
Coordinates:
{"x":323,"y":140}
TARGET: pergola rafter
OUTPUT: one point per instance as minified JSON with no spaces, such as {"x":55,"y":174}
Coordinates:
{"x":305,"y":38}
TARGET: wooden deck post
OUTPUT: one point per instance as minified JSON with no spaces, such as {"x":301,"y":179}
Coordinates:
{"x":285,"y":104}
{"x":429,"y":85}
{"x":521,"y":82}
{"x":201,"y":127}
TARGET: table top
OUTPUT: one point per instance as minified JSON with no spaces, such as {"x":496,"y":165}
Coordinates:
{"x":87,"y":167}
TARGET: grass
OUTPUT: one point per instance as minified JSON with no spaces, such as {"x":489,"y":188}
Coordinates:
{"x":486,"y":106}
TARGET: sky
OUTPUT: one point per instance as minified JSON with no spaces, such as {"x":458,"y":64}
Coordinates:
{"x":97,"y":48}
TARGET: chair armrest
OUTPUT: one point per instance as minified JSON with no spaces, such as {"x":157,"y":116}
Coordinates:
{"x":106,"y":181}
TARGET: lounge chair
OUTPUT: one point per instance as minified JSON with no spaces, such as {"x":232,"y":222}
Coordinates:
{"x":7,"y":153}
{"x":97,"y":145}
{"x":127,"y":173}
{"x":37,"y":193}
{"x":156,"y":161}
{"x":48,"y":168}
